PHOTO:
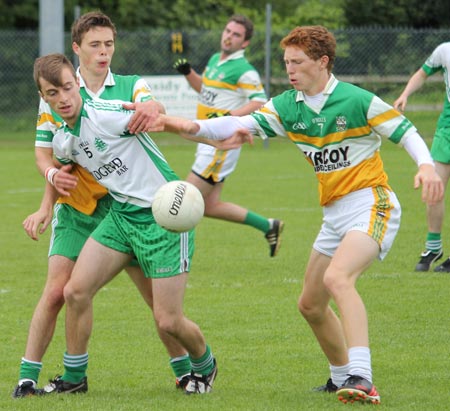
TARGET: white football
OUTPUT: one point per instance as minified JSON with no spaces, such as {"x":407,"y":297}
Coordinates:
{"x":178,"y":206}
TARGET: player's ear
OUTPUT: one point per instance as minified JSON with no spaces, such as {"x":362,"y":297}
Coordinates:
{"x":75,"y":48}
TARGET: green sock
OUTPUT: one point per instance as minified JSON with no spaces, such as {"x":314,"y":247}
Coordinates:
{"x":257,"y":221}
{"x":434,"y":242}
{"x":30,"y":370}
{"x":75,"y":367}
{"x":203,"y":365}
{"x":181,"y":366}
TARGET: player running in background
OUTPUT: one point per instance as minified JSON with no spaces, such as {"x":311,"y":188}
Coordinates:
{"x":229,"y":85}
{"x":77,"y":215}
{"x":438,"y":61}
{"x":338,"y":127}
{"x":132,"y":169}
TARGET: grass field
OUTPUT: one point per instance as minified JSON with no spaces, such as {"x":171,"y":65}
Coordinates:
{"x":244,"y":301}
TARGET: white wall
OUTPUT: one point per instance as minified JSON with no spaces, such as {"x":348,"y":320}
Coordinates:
{"x":175,"y":93}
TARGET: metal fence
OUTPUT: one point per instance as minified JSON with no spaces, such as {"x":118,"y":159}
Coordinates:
{"x":363,"y":55}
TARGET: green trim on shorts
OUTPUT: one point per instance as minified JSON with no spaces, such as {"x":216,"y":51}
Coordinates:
{"x":440,"y":148}
{"x":133,"y":230}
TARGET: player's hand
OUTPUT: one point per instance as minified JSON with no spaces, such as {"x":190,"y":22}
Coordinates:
{"x":182,"y":66}
{"x":146,"y":113}
{"x":240,"y":137}
{"x":432,"y":185}
{"x":217,"y":114}
{"x":64,"y":181}
{"x":400,"y":103}
{"x":37,"y":222}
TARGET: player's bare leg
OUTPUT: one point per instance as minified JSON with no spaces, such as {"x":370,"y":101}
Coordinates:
{"x":216,"y":208}
{"x":354,"y":255}
{"x":42,"y":326}
{"x":96,"y":266}
{"x":168,"y":296}
{"x":179,"y":359}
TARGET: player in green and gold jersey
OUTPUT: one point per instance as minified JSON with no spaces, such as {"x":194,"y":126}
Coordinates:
{"x":338,"y":128}
{"x":229,"y":85}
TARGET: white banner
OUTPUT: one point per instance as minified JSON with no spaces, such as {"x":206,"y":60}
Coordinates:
{"x":178,"y":97}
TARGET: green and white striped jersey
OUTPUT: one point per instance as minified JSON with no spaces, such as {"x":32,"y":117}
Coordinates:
{"x":130,"y":166}
{"x":115,"y":87}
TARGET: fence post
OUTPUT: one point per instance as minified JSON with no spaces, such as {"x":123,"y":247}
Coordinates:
{"x":51,"y":26}
{"x":268,"y":55}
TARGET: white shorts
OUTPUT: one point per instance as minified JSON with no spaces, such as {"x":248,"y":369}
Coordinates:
{"x":215,"y":165}
{"x":375,"y":211}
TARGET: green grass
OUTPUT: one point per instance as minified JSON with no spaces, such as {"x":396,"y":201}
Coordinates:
{"x":244,"y":301}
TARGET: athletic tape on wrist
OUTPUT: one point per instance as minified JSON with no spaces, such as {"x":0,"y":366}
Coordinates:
{"x":50,"y":174}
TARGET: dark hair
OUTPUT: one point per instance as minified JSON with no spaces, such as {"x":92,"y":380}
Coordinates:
{"x":246,"y":22}
{"x":50,"y":67}
{"x":88,"y":21}
{"x":315,"y":41}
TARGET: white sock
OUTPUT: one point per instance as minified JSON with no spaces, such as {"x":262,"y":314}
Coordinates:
{"x":25,"y":380}
{"x":360,"y":362}
{"x":339,"y":374}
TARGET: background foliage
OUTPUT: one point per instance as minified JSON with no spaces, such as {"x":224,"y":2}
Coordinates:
{"x":177,"y":14}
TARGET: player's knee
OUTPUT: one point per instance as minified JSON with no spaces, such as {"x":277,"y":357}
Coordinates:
{"x":74,"y":296}
{"x":335,"y":283}
{"x":167,"y":324}
{"x":54,"y":298}
{"x":211,"y":208}
{"x":309,"y":310}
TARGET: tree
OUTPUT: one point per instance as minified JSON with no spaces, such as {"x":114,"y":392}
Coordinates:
{"x":410,"y":13}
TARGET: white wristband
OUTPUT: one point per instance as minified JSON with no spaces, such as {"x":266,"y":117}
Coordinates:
{"x":50,"y":174}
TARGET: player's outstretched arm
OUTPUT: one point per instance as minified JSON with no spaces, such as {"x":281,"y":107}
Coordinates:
{"x":223,"y":138}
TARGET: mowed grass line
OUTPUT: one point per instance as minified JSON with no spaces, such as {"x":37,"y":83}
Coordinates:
{"x":244,"y":301}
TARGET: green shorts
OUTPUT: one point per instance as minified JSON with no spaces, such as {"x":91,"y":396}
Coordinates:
{"x":71,"y":228}
{"x":133,"y":230}
{"x":440,"y":148}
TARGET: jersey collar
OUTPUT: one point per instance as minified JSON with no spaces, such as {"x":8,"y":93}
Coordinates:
{"x":329,"y":88}
{"x":109,"y":81}
{"x":236,"y":55}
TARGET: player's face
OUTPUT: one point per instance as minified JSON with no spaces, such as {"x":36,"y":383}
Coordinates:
{"x":233,"y":38}
{"x":95,"y":51}
{"x":305,"y":74}
{"x":65,"y":100}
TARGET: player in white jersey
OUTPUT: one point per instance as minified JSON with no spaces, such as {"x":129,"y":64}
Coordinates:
{"x":438,"y":61}
{"x":95,"y":135}
{"x":338,"y":128}
{"x":229,"y":85}
{"x":77,"y":215}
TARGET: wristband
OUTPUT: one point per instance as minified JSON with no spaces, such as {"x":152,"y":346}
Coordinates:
{"x":50,"y":174}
